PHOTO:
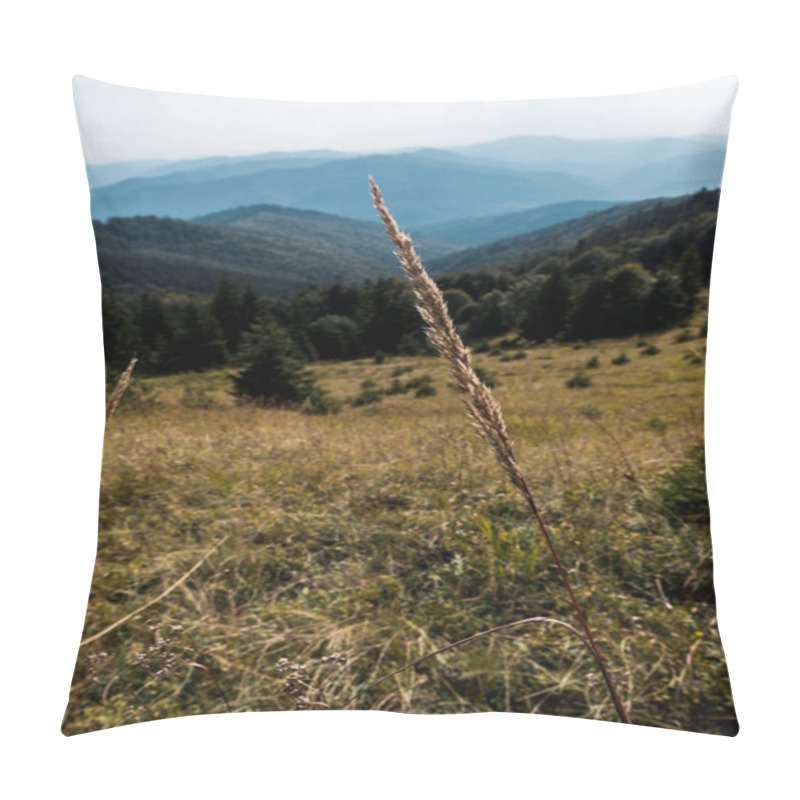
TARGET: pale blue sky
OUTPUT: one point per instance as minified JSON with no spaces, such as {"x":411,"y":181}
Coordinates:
{"x":120,"y":123}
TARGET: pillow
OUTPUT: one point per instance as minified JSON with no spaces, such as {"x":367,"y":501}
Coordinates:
{"x":405,"y":407}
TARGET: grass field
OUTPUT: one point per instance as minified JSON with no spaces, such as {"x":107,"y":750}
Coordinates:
{"x":386,"y":531}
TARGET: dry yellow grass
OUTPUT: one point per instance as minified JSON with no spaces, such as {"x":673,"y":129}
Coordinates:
{"x":365,"y":533}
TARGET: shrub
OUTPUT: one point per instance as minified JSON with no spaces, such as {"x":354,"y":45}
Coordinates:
{"x":650,"y":350}
{"x":580,"y":380}
{"x":425,"y":390}
{"x":592,"y":363}
{"x":621,"y":359}
{"x":370,"y":393}
{"x":396,"y":387}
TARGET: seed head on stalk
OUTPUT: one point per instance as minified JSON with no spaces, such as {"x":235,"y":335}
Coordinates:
{"x":483,"y":410}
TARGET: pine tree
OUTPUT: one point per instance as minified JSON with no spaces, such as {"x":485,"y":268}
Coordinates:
{"x":273,"y":373}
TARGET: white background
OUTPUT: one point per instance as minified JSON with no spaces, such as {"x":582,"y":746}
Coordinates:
{"x":347,"y":50}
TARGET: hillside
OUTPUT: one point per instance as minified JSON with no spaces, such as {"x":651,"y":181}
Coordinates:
{"x":597,"y":229}
{"x":480,"y":230}
{"x":274,"y":250}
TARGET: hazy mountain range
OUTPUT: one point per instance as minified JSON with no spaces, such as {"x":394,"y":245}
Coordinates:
{"x":423,"y":187}
{"x":279,"y":221}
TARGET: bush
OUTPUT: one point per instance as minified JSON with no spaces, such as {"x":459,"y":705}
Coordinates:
{"x":592,"y":363}
{"x":580,"y":380}
{"x":621,"y":359}
{"x":396,"y":387}
{"x":422,"y":386}
{"x":650,"y":350}
{"x":370,"y":393}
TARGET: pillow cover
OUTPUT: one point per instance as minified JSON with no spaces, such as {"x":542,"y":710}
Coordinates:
{"x":295,"y":511}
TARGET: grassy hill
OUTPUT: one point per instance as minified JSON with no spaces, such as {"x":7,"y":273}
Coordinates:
{"x":382,"y":533}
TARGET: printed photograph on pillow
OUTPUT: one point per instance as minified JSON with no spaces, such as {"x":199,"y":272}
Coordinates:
{"x":329,"y":484}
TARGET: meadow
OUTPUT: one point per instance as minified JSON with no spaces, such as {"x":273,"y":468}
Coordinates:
{"x":329,"y":550}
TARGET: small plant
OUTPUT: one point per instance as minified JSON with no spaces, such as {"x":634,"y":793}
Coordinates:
{"x":398,"y":371}
{"x":592,"y":363}
{"x":621,"y":359}
{"x":119,"y":389}
{"x":379,"y":357}
{"x":684,"y":336}
{"x":370,"y":393}
{"x":650,"y":350}
{"x":396,"y":387}
{"x":298,"y":684}
{"x":425,"y":390}
{"x":580,"y":380}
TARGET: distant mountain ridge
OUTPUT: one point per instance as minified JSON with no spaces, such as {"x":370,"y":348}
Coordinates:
{"x":278,"y":251}
{"x":423,"y":187}
{"x":275,"y":250}
{"x":563,"y":236}
{"x":480,"y":230}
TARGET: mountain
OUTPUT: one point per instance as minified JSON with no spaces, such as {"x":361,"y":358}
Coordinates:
{"x":420,"y":189}
{"x":588,"y":156}
{"x":275,"y":250}
{"x":210,"y":167}
{"x":479,"y":230}
{"x":423,"y":187}
{"x":512,"y":251}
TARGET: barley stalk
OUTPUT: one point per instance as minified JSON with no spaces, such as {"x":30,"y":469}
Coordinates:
{"x":482,"y":409}
{"x":119,"y":389}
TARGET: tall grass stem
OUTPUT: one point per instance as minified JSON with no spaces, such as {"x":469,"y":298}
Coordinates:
{"x":482,"y":409}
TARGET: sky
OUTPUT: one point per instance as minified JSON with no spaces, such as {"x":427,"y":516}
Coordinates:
{"x":125,"y":124}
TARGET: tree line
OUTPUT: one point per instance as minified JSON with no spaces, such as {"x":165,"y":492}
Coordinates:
{"x":341,"y":322}
{"x":636,"y":276}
